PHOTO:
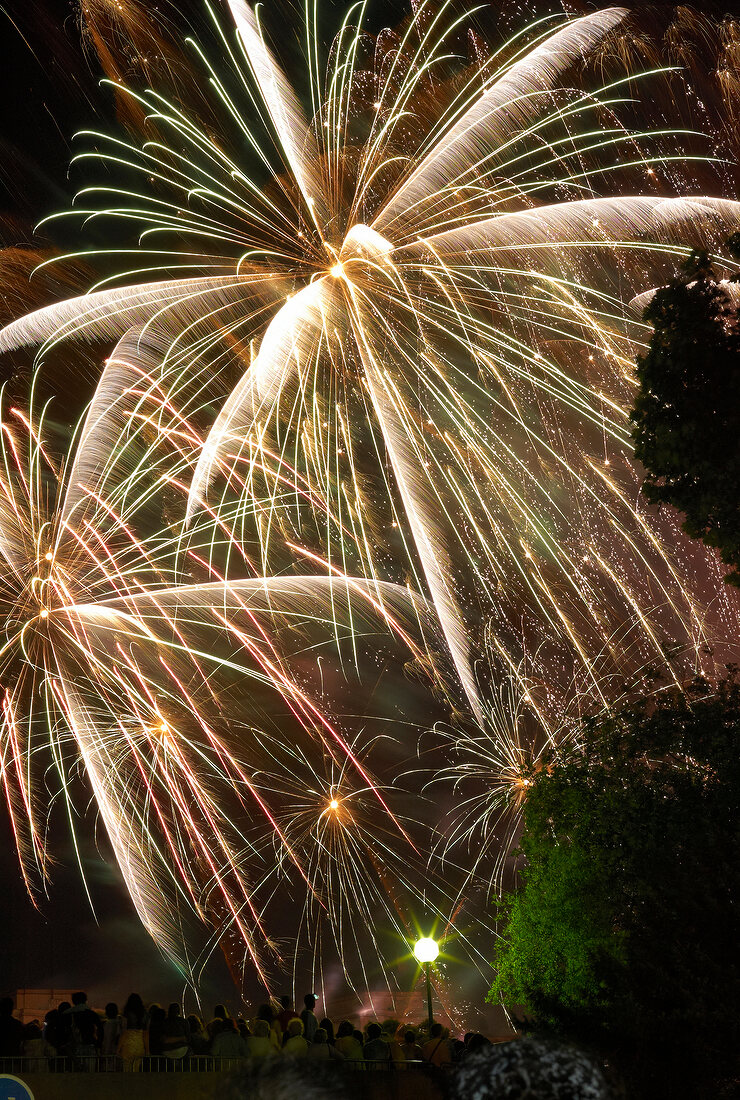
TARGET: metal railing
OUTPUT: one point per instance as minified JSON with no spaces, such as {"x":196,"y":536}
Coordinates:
{"x":188,"y":1063}
{"x":113,"y":1063}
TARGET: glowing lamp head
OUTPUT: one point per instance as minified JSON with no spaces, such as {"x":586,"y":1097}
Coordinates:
{"x":426,"y":950}
{"x":334,"y":804}
{"x":43,"y":613}
{"x":48,"y":555}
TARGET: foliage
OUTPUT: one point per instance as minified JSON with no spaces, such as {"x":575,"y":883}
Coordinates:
{"x":687,"y":412}
{"x":625,"y":932}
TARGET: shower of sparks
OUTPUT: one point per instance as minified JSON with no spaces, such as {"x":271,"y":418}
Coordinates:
{"x":407,"y":301}
{"x":176,"y":692}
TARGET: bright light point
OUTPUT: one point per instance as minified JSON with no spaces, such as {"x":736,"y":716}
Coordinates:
{"x":48,"y":555}
{"x":333,"y":805}
{"x":337,"y":271}
{"x":376,"y":105}
{"x":43,"y":614}
{"x":426,"y":950}
{"x":607,"y":462}
{"x":164,"y":727}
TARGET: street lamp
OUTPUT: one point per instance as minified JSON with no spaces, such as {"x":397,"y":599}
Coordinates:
{"x":425,"y":952}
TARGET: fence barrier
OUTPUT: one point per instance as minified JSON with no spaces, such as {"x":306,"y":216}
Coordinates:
{"x":188,"y":1063}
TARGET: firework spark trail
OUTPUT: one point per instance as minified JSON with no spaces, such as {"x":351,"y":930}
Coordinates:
{"x":438,"y":291}
{"x":421,"y":286}
{"x":490,"y":767}
{"x":152,"y":682}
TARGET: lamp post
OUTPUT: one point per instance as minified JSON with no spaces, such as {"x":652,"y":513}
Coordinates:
{"x":425,"y":952}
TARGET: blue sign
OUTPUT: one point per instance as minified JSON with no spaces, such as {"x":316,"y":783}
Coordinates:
{"x":13,"y":1089}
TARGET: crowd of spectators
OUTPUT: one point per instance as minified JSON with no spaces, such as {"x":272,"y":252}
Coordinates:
{"x":149,"y":1037}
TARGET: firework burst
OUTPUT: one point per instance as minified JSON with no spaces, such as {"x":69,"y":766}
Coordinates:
{"x":171,"y":689}
{"x":386,"y":327}
{"x":426,"y":300}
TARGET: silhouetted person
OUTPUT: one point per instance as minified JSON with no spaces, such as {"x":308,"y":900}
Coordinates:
{"x":320,"y":1050}
{"x":113,"y":1025}
{"x":476,"y":1043}
{"x":389,"y":1029}
{"x":267,"y":1013}
{"x":347,"y":1042}
{"x":11,"y":1030}
{"x":61,"y":1038}
{"x":227,"y":1042}
{"x":175,"y":1034}
{"x":220,"y":1012}
{"x":157,"y":1017}
{"x":328,"y":1027}
{"x":375,"y":1050}
{"x":86,"y":1032}
{"x":198,"y":1036}
{"x":308,"y":1019}
{"x":295,"y":1046}
{"x":36,"y":1050}
{"x":436,"y":1050}
{"x":286,"y":1013}
{"x":134,"y":1041}
{"x":51,"y":1028}
{"x":412,"y":1052}
{"x":259,"y":1046}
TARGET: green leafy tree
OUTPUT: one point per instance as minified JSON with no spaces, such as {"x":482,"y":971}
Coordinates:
{"x":687,"y":411}
{"x":625,"y":934}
